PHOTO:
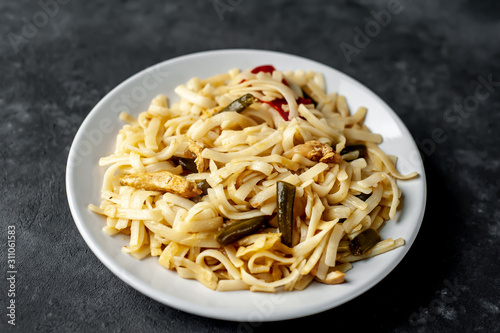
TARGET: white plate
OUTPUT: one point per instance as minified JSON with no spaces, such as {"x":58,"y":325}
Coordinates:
{"x":96,"y":138}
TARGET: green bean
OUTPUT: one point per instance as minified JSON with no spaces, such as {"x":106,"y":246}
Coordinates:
{"x":360,"y":148}
{"x":343,"y":246}
{"x":285,"y":194}
{"x":240,"y":229}
{"x":307,"y":96}
{"x":187,"y":164}
{"x":364,"y":241}
{"x":203,"y":186}
{"x":240,"y":104}
{"x":364,"y":196}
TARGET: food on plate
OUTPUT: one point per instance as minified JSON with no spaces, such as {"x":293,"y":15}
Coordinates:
{"x":257,"y":179}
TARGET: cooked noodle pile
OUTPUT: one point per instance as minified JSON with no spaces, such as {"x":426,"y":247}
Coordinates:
{"x":181,"y":175}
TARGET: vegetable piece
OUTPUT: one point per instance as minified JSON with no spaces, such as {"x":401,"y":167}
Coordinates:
{"x":187,"y":164}
{"x":279,"y":102}
{"x":364,"y":196}
{"x":308,"y":97}
{"x":276,"y":104}
{"x":302,"y":100}
{"x":364,"y":241}
{"x":343,"y":246}
{"x":264,"y":68}
{"x":203,"y":186}
{"x":240,"y":229}
{"x":240,"y":104}
{"x":360,"y":148}
{"x":285,"y":194}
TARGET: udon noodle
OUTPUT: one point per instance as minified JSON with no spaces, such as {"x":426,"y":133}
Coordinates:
{"x":183,"y":174}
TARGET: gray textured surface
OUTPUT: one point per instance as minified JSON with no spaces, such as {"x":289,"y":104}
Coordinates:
{"x":426,"y":60}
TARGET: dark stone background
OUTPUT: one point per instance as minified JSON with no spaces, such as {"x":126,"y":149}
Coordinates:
{"x":427,"y":62}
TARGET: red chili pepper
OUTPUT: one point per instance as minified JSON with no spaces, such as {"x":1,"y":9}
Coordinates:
{"x":302,"y":100}
{"x":276,"y":104}
{"x":279,"y":102}
{"x":265,"y":68}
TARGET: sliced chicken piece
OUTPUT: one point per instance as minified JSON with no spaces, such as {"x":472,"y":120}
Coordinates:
{"x":334,"y":277}
{"x":315,"y":151}
{"x":162,"y":181}
{"x":194,"y":150}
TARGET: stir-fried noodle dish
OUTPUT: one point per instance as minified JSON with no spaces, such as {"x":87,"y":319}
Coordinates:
{"x":254,"y":180}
